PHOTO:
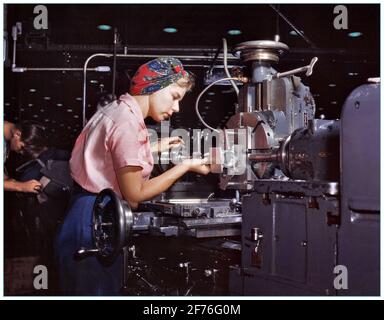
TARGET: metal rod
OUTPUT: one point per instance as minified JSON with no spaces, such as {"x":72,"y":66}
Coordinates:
{"x":308,"y":69}
{"x":225,"y":51}
{"x":259,"y":96}
{"x":85,"y":81}
{"x":290,"y":72}
{"x":125,"y":266}
{"x":14,"y":53}
{"x":293,"y":27}
{"x":214,"y":60}
{"x":277,"y":35}
{"x":55,"y":69}
{"x":263,"y":157}
{"x":114,"y":62}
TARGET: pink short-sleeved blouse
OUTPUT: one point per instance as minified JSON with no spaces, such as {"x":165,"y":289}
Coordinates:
{"x":115,"y":137}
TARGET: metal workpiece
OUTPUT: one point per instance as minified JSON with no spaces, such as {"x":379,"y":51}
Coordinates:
{"x":264,"y":157}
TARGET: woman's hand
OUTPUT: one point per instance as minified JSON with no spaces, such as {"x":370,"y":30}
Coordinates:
{"x":32,"y":186}
{"x":135,"y":190}
{"x":200,"y":166}
{"x":165,"y":144}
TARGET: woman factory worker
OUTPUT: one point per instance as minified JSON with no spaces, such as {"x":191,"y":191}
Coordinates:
{"x":113,"y":151}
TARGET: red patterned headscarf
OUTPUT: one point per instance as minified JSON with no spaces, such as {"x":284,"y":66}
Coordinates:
{"x":156,"y":75}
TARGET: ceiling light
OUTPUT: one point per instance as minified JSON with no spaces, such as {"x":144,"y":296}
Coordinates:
{"x":104,"y":27}
{"x":32,"y":90}
{"x":355,"y":34}
{"x":333,"y":102}
{"x":332,"y":85}
{"x":170,"y":30}
{"x":47,"y":98}
{"x":353,"y":73}
{"x":234,"y":32}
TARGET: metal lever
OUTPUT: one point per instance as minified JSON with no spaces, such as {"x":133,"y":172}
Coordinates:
{"x":311,"y":65}
{"x":307,"y":69}
{"x":84,"y":252}
{"x":256,"y":236}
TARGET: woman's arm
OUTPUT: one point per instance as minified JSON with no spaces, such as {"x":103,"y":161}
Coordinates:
{"x":135,"y":190}
{"x":32,"y":186}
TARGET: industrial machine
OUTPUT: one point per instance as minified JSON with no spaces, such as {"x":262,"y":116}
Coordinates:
{"x":306,"y":217}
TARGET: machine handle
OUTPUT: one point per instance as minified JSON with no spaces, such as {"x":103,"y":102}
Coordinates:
{"x":311,"y":65}
{"x":307,"y":69}
{"x":84,"y":252}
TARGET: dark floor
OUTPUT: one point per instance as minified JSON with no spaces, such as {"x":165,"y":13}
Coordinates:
{"x":26,"y":246}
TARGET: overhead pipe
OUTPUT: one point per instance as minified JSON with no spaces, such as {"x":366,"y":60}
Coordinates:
{"x":109,"y":55}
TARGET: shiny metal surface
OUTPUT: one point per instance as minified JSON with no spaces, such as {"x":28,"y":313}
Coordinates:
{"x":261,"y":50}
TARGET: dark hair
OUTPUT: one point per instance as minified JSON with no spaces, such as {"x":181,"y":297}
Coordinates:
{"x":34,"y":137}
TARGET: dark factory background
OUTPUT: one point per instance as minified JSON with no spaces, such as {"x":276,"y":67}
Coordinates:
{"x":346,"y":57}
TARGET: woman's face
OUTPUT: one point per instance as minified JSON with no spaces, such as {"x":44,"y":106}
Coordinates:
{"x":16,"y":144}
{"x":163,"y":103}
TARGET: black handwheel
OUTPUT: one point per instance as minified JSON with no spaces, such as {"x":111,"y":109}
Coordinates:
{"x":112,"y":225}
